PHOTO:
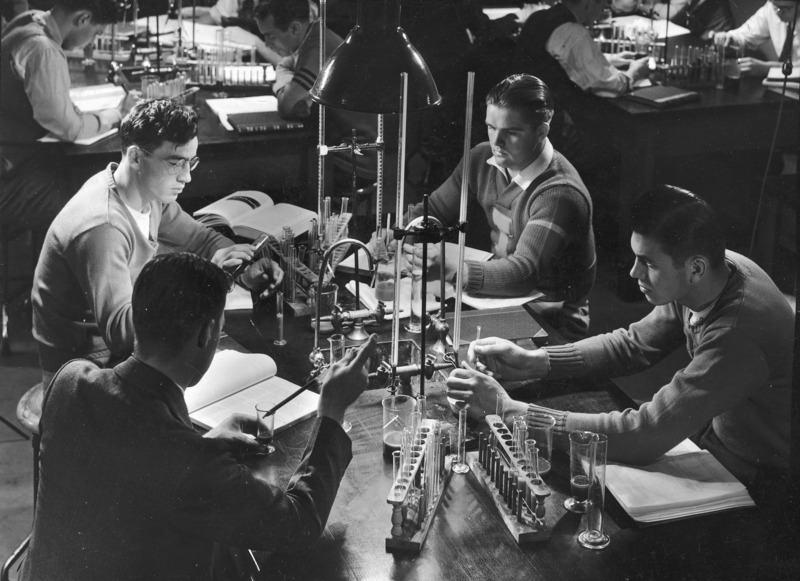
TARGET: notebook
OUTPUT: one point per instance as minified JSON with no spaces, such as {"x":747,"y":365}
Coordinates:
{"x":262,"y":122}
{"x":662,"y":96}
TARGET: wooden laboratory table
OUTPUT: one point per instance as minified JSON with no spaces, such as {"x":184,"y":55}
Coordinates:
{"x":722,"y":121}
{"x":467,"y":540}
{"x":282,"y":162}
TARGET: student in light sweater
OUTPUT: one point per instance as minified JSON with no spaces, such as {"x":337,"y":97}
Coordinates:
{"x":733,"y":398}
{"x":120,"y":218}
{"x":539,"y":210}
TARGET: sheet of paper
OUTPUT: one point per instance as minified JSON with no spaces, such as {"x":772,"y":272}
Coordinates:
{"x":97,"y":97}
{"x":238,"y":299}
{"x":256,"y":104}
{"x":451,"y":249}
{"x":230,"y":372}
{"x":205,"y":35}
{"x":660,"y":27}
{"x":50,"y":138}
{"x":271,"y":391}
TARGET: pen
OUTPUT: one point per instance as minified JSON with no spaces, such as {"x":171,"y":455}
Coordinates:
{"x":290,"y":397}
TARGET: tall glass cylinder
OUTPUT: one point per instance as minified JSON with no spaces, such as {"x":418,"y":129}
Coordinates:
{"x":460,"y":466}
{"x":594,"y":537}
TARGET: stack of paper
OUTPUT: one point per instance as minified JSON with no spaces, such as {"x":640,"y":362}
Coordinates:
{"x":684,"y":482}
{"x":225,"y":107}
{"x":368,"y":299}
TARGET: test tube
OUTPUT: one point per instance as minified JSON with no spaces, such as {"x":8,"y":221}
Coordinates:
{"x":460,"y":466}
{"x":422,"y":405}
{"x":280,"y":341}
{"x":397,"y":464}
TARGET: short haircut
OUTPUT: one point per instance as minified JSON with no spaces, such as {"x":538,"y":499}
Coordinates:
{"x":103,"y":11}
{"x":524,"y":93}
{"x":151,"y":123}
{"x":682,"y":223}
{"x":283,"y":12}
{"x":174,"y":294}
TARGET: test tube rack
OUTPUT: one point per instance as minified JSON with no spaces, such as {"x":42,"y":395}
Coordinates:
{"x":521,"y":499}
{"x":426,"y":467}
{"x":695,"y":66}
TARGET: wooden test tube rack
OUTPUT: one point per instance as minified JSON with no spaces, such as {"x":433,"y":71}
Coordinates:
{"x":521,"y":500}
{"x":401,"y":539}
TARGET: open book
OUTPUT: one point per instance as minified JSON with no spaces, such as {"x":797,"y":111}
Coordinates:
{"x":370,"y":301}
{"x":684,"y":482}
{"x":250,"y":214}
{"x":89,"y":99}
{"x":236,"y":382}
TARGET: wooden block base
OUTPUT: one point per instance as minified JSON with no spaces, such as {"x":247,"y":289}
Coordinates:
{"x":524,"y":534}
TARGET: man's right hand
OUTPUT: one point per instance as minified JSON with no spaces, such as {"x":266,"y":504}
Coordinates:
{"x":507,"y":360}
{"x":722,"y":39}
{"x":129,"y":101}
{"x":639,"y":69}
{"x":345,"y":381}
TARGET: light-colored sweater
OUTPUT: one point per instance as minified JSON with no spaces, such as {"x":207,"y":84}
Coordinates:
{"x":91,"y":257}
{"x":734,"y":396}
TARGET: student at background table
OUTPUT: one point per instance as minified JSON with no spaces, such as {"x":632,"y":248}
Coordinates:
{"x":701,"y":17}
{"x":556,"y":46}
{"x":770,"y":23}
{"x":120,"y":218}
{"x":733,"y":398}
{"x":34,"y":101}
{"x":130,"y":491}
{"x":536,"y":204}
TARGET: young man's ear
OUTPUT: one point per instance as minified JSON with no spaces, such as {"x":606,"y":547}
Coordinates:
{"x":698,"y":266}
{"x":133,"y":155}
{"x":82,"y":18}
{"x":206,"y":333}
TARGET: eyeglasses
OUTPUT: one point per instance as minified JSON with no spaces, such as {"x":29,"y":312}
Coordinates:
{"x":175,"y":167}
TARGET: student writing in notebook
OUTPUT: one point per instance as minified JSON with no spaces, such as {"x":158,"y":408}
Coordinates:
{"x":536,"y":204}
{"x":108,"y":231}
{"x":734,"y":396}
{"x":34,"y":101}
{"x":129,"y":490}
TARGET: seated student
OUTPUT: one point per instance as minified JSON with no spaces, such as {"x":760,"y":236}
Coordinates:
{"x":129,"y":490}
{"x":555,"y":45}
{"x":537,"y":206}
{"x":701,"y":17}
{"x":34,"y":100}
{"x":233,"y":13}
{"x":733,"y":398}
{"x":770,"y":23}
{"x":111,"y":228}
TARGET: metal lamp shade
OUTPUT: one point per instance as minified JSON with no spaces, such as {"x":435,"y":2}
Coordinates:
{"x":363,"y":73}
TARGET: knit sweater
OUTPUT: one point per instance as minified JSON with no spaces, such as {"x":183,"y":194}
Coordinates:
{"x":91,"y":257}
{"x":734,"y":396}
{"x":549,"y":245}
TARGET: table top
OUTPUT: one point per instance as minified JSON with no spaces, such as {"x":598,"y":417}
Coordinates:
{"x":467,"y":539}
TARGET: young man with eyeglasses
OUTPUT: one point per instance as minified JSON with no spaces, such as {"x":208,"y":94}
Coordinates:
{"x":98,"y":244}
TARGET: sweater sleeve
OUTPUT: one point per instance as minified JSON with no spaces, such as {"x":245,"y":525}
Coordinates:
{"x":726,"y":369}
{"x":552,"y":220}
{"x":180,"y":231}
{"x":99,"y":259}
{"x":621,"y":352}
{"x":219,"y":499}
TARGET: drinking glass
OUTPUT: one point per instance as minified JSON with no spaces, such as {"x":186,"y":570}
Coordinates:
{"x":594,"y":537}
{"x":265,"y":421}
{"x":580,"y":475}
{"x":540,"y":428}
{"x":336,"y":342}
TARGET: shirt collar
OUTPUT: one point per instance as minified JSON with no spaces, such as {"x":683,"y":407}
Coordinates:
{"x":533,"y":170}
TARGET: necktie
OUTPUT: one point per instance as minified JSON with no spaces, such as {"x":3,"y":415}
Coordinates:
{"x":786,"y":52}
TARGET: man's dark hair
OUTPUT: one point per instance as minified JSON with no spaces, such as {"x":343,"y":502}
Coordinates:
{"x":283,"y":12}
{"x":681,"y":222}
{"x":103,"y":11}
{"x":151,"y":123}
{"x":174,"y":294}
{"x":524,"y":93}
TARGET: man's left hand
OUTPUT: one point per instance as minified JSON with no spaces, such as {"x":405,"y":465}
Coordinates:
{"x":413,"y":254}
{"x":237,"y":430}
{"x":263,"y":277}
{"x":478,"y":390}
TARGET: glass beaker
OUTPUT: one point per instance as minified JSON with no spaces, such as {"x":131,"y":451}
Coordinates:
{"x":327,"y":302}
{"x":397,"y":410}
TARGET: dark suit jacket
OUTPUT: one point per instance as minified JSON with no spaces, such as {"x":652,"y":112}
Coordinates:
{"x":129,"y":490}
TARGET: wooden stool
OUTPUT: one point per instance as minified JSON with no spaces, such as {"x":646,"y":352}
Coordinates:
{"x":29,"y":412}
